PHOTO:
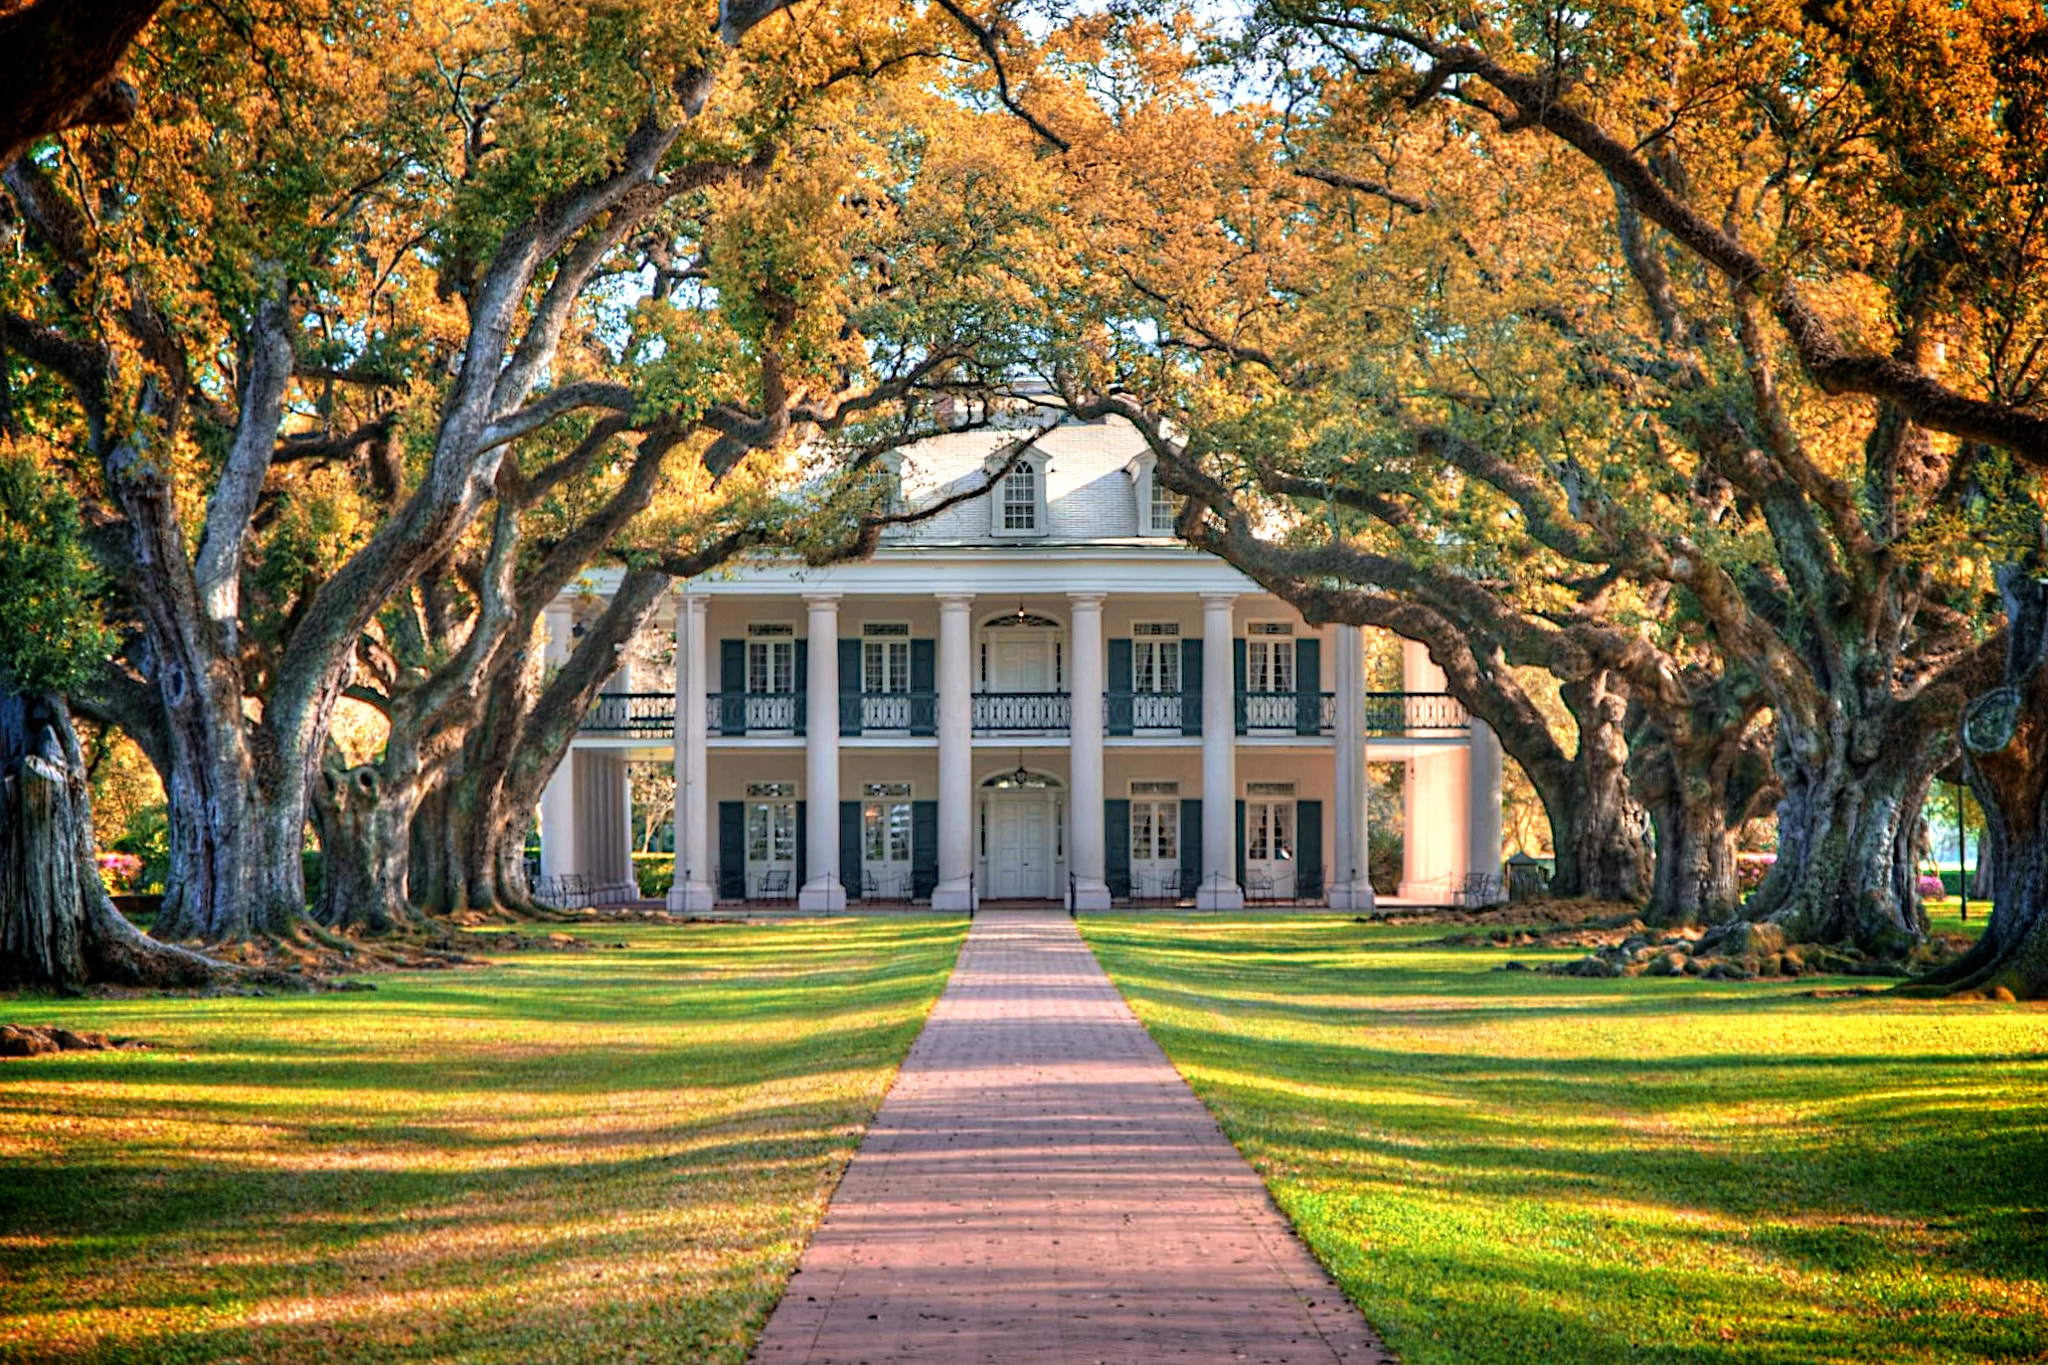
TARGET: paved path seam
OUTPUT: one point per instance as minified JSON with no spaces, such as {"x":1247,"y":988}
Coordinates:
{"x":1041,"y":1187}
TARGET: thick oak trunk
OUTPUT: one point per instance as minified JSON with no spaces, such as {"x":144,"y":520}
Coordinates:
{"x":1845,"y":872}
{"x":57,"y":926}
{"x":2005,"y":755}
{"x":1596,"y":825}
{"x":365,"y":823}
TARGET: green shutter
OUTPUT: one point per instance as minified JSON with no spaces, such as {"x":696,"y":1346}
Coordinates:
{"x":803,"y":845}
{"x":1308,"y":850}
{"x":1240,"y":843}
{"x":1191,"y":687}
{"x":924,"y":686}
{"x":1237,"y":675}
{"x":1120,"y":687}
{"x":850,"y":870}
{"x":1116,"y":828}
{"x":732,"y":681}
{"x":924,"y":844}
{"x":849,"y":687}
{"x":1308,"y":687}
{"x":1190,"y":844}
{"x":732,"y":850}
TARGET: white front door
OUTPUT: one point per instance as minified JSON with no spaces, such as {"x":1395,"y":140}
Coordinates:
{"x":1269,"y":849}
{"x":771,"y":849}
{"x":1020,"y":847}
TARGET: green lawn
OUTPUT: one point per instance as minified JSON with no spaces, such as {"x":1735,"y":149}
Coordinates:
{"x":611,"y":1156}
{"x":1508,"y":1167}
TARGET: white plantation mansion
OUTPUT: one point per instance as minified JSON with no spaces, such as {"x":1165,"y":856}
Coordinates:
{"x":1036,"y":694}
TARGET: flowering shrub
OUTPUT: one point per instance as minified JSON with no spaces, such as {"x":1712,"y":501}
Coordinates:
{"x":1750,"y":869}
{"x":1931,"y":888}
{"x":118,"y":871}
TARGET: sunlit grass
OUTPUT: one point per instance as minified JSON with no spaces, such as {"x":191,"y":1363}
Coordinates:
{"x":1505,"y":1167}
{"x":614,"y":1155}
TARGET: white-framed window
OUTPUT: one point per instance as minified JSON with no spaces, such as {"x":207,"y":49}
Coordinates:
{"x":1269,"y":656}
{"x":771,"y":657}
{"x":885,"y":825}
{"x":885,"y":657}
{"x":1268,"y":828}
{"x":1020,"y":499}
{"x":1155,"y":822}
{"x":1155,"y":657}
{"x":771,"y":828}
{"x":1164,"y":508}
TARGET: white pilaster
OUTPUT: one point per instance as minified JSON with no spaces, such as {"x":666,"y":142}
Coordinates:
{"x":693,"y":890}
{"x":1482,"y":822}
{"x":1085,"y":814}
{"x":955,"y":890}
{"x":1350,"y":878}
{"x":558,"y":799}
{"x":1436,"y":801}
{"x":824,"y":890}
{"x":1219,"y":889}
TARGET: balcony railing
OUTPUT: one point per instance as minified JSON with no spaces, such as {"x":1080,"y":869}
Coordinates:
{"x":1299,"y":713}
{"x":1388,"y":715}
{"x":1124,"y":712}
{"x":1003,"y":713}
{"x":907,"y":713}
{"x":741,"y":713}
{"x":1414,"y":714}
{"x":633,"y":713}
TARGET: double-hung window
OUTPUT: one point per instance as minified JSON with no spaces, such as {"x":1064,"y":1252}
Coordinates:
{"x":1020,"y":498}
{"x":1155,"y":657}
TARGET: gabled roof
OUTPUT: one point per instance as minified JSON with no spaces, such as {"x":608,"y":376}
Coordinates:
{"x":1089,"y":489}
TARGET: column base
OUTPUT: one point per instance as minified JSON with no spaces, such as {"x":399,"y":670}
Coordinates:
{"x":691,"y":898}
{"x":956,"y":895}
{"x":822,"y":894}
{"x":1219,"y":895}
{"x":1090,"y":894}
{"x":1352,"y":896}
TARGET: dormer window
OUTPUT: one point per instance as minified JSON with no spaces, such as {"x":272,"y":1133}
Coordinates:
{"x":1165,"y":508}
{"x":1020,"y":499}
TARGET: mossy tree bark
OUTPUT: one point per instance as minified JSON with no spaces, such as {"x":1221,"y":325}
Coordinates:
{"x":2005,"y":754}
{"x":57,"y":926}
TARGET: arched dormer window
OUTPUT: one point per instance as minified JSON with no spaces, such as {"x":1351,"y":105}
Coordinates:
{"x":1156,"y":508}
{"x":1019,"y":503}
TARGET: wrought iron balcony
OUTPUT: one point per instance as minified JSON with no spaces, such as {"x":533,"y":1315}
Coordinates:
{"x":1004,"y":713}
{"x":1415,"y":715}
{"x":1297,"y":713}
{"x":632,"y":713}
{"x":889,"y":713}
{"x":1125,"y":712}
{"x":744,"y":713}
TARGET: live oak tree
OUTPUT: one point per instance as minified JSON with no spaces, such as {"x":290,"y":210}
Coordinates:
{"x":57,"y":926}
{"x":364,"y":236}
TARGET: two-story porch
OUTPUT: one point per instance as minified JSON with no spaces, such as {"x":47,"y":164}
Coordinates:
{"x":1168,"y":733}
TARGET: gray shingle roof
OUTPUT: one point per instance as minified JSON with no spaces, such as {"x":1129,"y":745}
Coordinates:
{"x":1089,"y":488}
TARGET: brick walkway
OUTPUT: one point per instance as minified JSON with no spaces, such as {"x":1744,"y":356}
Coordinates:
{"x":1041,"y":1187}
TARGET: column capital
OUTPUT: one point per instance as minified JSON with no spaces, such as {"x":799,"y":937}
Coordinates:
{"x":823,"y":598}
{"x":1088,"y":598}
{"x":1218,"y":599}
{"x":956,"y":601}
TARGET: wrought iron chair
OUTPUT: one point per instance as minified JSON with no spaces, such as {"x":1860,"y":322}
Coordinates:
{"x":775,"y":885}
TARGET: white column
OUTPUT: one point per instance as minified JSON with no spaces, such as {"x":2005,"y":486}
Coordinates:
{"x":955,"y":890}
{"x":1219,"y":889}
{"x":1434,"y":844}
{"x":1350,"y":878}
{"x":558,"y":799}
{"x":1084,"y":750}
{"x":1482,"y":822}
{"x":693,"y":890}
{"x":823,"y":890}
